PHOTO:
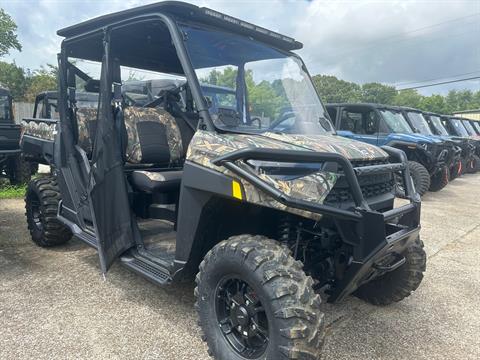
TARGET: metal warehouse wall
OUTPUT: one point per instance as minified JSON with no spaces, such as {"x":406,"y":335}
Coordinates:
{"x":22,"y":110}
{"x":472,"y":115}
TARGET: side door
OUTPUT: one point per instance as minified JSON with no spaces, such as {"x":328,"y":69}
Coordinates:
{"x":358,"y":124}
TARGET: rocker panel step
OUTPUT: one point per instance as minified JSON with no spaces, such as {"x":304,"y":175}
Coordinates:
{"x":147,"y":269}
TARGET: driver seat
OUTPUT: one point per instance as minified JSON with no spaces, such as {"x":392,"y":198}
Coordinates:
{"x":153,"y":138}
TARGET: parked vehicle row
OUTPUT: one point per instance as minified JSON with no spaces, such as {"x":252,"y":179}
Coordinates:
{"x":439,"y":147}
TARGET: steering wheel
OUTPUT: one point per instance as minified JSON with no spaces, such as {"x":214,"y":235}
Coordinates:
{"x":286,"y":115}
{"x":162,"y":94}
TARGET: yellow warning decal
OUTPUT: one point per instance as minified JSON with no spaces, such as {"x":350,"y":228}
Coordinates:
{"x":237,"y":190}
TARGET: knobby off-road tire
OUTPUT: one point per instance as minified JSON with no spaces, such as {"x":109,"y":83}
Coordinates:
{"x":291,"y":308}
{"x":41,"y":205}
{"x":456,"y":170}
{"x":472,"y":165}
{"x":420,"y":176}
{"x":440,"y":180}
{"x":475,"y":164}
{"x":400,"y":283}
{"x":20,"y":172}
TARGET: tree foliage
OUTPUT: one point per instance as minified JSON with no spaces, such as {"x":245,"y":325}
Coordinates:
{"x":8,"y":34}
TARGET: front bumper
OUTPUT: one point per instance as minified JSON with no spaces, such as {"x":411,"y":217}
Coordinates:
{"x":372,"y":234}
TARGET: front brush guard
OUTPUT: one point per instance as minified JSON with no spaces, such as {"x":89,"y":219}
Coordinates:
{"x":373,"y":235}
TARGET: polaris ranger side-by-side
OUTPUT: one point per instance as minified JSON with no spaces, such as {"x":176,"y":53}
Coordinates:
{"x":456,"y":127}
{"x":12,"y":164}
{"x":467,"y":148}
{"x":385,"y":125}
{"x":265,"y":218}
{"x":453,"y":158}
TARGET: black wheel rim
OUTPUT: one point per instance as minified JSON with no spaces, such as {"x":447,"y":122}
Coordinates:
{"x":35,"y":211}
{"x":241,"y":317}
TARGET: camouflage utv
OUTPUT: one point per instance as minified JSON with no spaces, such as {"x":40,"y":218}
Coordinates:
{"x":260,"y":199}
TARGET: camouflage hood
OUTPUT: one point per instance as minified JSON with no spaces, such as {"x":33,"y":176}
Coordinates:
{"x":351,"y":149}
{"x":212,"y":145}
{"x":206,"y":146}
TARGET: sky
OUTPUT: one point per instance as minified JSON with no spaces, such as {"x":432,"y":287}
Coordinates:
{"x":402,"y":43}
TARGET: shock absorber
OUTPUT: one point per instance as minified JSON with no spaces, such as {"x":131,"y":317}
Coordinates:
{"x":289,"y":233}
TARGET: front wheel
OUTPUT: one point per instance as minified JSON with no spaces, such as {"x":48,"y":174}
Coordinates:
{"x":440,"y":180}
{"x":255,"y":302}
{"x":397,"y":284}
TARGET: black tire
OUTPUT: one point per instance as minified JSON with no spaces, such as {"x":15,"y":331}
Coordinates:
{"x":41,"y":205}
{"x":20,"y":172}
{"x":291,"y":307}
{"x":456,"y":170}
{"x":440,"y":180}
{"x":420,"y":177}
{"x":475,"y":164}
{"x":471,"y":165}
{"x":400,"y":283}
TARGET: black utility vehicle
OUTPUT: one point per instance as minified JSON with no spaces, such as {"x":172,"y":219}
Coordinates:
{"x":386,"y":125}
{"x":456,"y":127}
{"x":466,"y":146}
{"x":12,"y":164}
{"x":453,"y":158}
{"x":264,"y":218}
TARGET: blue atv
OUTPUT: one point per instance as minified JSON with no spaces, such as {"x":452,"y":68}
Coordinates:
{"x":385,"y":125}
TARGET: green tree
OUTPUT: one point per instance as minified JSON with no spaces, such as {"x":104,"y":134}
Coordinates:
{"x":434,"y":103}
{"x":333,"y":90}
{"x":41,"y":80}
{"x":13,"y":77}
{"x":8,"y":36}
{"x":409,"y":98}
{"x":378,"y":93}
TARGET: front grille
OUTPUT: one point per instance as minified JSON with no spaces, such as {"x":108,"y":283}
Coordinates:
{"x":371,"y":185}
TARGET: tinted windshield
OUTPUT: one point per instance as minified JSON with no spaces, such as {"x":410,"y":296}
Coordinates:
{"x":437,"y":124}
{"x":419,"y":123}
{"x":396,"y":122}
{"x":5,"y":115}
{"x":459,"y":128}
{"x":272,"y":89}
{"x":469,"y":127}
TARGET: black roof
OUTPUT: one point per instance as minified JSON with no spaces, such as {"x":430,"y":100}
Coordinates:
{"x":371,"y":105}
{"x":186,"y":12}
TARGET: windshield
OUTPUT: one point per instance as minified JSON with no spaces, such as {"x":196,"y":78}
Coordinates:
{"x":419,"y":123}
{"x":437,"y":124}
{"x":251,"y":87}
{"x":469,"y":127}
{"x":396,"y":122}
{"x":5,"y":108}
{"x":458,"y":127}
{"x":476,"y":125}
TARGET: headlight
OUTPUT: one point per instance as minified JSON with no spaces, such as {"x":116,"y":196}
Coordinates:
{"x":284,"y":170}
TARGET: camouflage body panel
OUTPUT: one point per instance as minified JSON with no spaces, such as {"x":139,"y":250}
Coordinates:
{"x":42,"y":130}
{"x":85,"y":119}
{"x":134,"y":115}
{"x":206,"y":146}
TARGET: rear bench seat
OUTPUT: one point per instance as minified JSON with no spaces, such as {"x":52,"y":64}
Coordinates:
{"x":154,"y":137}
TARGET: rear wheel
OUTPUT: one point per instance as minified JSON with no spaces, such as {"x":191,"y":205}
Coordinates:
{"x":255,"y":302}
{"x":400,"y":283}
{"x":20,"y":172}
{"x":475,"y":163}
{"x":41,"y":205}
{"x":440,"y":180}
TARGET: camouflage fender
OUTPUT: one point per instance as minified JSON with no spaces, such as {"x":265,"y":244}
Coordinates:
{"x":206,"y":146}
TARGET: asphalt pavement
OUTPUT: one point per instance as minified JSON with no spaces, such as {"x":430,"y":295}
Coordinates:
{"x":54,"y":303}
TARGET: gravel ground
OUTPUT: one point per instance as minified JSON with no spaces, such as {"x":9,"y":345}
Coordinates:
{"x":54,"y":304}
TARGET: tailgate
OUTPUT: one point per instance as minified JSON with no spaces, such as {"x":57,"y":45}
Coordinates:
{"x":9,"y":137}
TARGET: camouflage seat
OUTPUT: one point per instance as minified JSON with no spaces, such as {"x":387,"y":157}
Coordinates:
{"x":153,"y":137}
{"x":86,"y":122}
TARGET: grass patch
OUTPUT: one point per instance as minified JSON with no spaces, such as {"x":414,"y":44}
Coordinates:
{"x":8,"y":191}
